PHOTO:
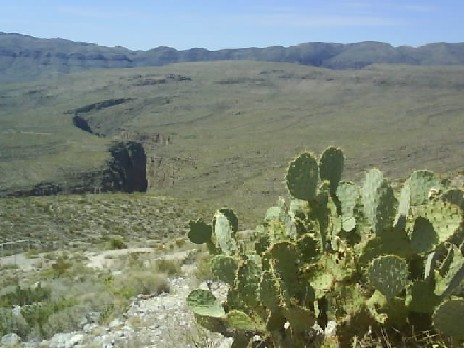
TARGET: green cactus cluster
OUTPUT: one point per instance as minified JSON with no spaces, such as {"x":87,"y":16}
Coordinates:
{"x":365,"y":257}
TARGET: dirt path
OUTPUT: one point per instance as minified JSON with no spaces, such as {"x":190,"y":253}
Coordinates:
{"x":22,"y":262}
{"x":105,"y":259}
{"x":100,"y":259}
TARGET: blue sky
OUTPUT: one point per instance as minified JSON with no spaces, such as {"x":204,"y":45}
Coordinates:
{"x":216,"y":24}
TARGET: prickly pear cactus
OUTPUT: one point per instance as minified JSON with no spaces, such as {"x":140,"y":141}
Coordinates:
{"x":331,"y":167}
{"x":224,"y":231}
{"x":224,"y":268}
{"x":388,"y":274}
{"x":303,"y":177}
{"x":200,"y":232}
{"x":423,"y":184}
{"x":379,"y":201}
{"x":370,"y":192}
{"x":417,"y":190}
{"x":423,"y":236}
{"x":447,"y":318}
{"x":445,"y":218}
{"x":454,"y":196}
{"x":204,"y":303}
{"x":367,"y":257}
{"x":348,"y":195}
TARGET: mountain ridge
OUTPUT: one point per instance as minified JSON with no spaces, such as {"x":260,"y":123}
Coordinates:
{"x":25,"y":57}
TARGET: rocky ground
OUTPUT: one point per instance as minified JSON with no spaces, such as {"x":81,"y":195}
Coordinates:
{"x":151,"y":321}
{"x":159,"y":321}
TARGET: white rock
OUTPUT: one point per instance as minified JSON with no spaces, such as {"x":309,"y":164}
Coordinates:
{"x":115,"y":323}
{"x":10,"y":340}
{"x":75,"y":340}
{"x":331,"y":329}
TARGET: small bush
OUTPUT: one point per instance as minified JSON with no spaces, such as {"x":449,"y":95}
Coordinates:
{"x":12,"y":323}
{"x":170,"y":267}
{"x":60,"y":267}
{"x":38,"y":314}
{"x":116,"y":243}
{"x":65,"y":320}
{"x":32,"y":254}
{"x":180,"y":242}
{"x":27,"y":296}
{"x":141,"y":282}
{"x":9,"y":266}
{"x":203,"y":269}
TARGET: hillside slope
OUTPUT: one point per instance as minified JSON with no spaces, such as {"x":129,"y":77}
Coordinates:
{"x":223,"y":131}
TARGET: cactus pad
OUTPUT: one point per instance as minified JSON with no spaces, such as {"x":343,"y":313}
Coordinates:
{"x":454,"y":274}
{"x":301,"y":319}
{"x":421,"y":182}
{"x":224,"y":234}
{"x":284,"y":260}
{"x":454,"y":196}
{"x":420,"y":297}
{"x":379,"y":201}
{"x":241,"y":321}
{"x":322,"y":283}
{"x":416,"y":191}
{"x":224,"y":268}
{"x":448,"y":317}
{"x":389,"y":312}
{"x":200,"y":232}
{"x":388,"y":274}
{"x":275,"y":321}
{"x":385,"y":208}
{"x":247,"y":282}
{"x":302,"y":177}
{"x":372,"y":182}
{"x":204,"y":303}
{"x":391,"y":243}
{"x":331,"y":166}
{"x":423,"y":236}
{"x":348,"y":195}
{"x":230,"y":215}
{"x":404,"y":205}
{"x":445,"y":217}
{"x":308,"y":247}
{"x":270,"y":291}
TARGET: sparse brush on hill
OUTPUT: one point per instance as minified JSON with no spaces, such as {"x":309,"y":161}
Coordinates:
{"x":209,"y":129}
{"x":67,"y":294}
{"x":85,"y":221}
{"x":340,"y":265}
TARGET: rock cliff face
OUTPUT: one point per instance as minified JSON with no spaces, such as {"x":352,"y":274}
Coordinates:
{"x":127,"y":169}
{"x":124,"y":172}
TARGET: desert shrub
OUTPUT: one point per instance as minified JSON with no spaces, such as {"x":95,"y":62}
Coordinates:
{"x":60,"y":266}
{"x":26,"y":296}
{"x":12,"y":323}
{"x":32,"y":254}
{"x":8,"y":279}
{"x":170,"y":267}
{"x":140,"y":282}
{"x":9,"y":266}
{"x":116,"y":244}
{"x":203,"y":267}
{"x":134,"y":260}
{"x":37,"y":315}
{"x":64,"y":320}
{"x":180,"y":242}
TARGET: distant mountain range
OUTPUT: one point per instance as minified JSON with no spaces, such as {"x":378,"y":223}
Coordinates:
{"x":24,"y":57}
